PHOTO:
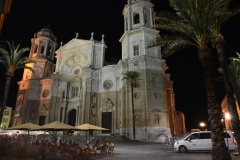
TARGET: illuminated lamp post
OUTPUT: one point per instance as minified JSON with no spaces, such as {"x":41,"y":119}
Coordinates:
{"x":202,"y":125}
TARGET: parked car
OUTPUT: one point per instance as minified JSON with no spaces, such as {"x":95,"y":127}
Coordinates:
{"x":202,"y":141}
{"x":195,"y":130}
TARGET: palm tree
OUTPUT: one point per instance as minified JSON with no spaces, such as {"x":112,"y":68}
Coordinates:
{"x":11,"y":58}
{"x":188,"y":26}
{"x":234,"y":75}
{"x":221,"y":14}
{"x":132,"y":77}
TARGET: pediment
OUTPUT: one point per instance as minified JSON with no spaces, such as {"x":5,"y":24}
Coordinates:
{"x":74,"y":45}
{"x":74,"y":56}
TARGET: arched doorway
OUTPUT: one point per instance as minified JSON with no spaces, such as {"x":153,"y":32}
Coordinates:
{"x":72,"y":117}
{"x":41,"y":120}
{"x":107,"y":121}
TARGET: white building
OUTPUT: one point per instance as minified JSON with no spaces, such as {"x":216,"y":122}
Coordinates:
{"x":79,"y":88}
{"x":6,"y":119}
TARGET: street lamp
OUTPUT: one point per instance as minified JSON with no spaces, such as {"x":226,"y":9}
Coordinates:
{"x":202,"y":125}
{"x":227,"y":116}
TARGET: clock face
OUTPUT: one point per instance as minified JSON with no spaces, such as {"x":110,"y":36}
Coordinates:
{"x":45,"y":93}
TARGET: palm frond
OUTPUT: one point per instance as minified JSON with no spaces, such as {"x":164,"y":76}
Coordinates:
{"x":132,"y":77}
{"x":11,"y":56}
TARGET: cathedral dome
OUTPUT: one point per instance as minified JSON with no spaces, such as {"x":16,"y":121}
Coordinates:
{"x":46,"y":32}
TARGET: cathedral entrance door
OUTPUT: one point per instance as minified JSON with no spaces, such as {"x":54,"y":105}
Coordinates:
{"x":107,"y":122}
{"x":41,"y":120}
{"x":72,"y":117}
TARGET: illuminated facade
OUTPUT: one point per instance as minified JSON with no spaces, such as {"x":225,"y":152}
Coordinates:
{"x":227,"y":114}
{"x":79,"y":88}
{"x":5,"y":6}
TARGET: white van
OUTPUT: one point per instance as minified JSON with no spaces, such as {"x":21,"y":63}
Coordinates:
{"x":202,"y":141}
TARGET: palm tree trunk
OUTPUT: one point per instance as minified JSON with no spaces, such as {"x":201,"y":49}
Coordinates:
{"x":133,"y":114}
{"x":236,"y":87}
{"x":8,"y":81}
{"x":219,"y":148}
{"x":230,"y":94}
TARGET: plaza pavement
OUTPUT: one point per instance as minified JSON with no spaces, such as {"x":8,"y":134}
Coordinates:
{"x":153,"y":151}
{"x":144,"y":151}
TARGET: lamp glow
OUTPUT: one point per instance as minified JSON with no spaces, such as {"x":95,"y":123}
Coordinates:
{"x":227,"y":116}
{"x":202,"y":124}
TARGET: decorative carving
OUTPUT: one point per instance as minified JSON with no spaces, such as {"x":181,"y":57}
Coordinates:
{"x":77,"y":34}
{"x":69,"y":62}
{"x":76,"y":71}
{"x":43,"y":110}
{"x":107,"y":105}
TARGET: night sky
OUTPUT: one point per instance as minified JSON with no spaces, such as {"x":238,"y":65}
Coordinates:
{"x":65,"y":18}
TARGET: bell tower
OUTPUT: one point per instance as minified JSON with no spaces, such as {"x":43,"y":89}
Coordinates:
{"x":43,"y":46}
{"x":34,"y":92}
{"x":139,"y":30}
{"x":150,"y":99}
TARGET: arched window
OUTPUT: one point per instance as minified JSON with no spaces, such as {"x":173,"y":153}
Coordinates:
{"x":146,"y":17}
{"x":36,"y":48}
{"x":136,"y":50}
{"x":136,"y":18}
{"x":63,"y":96}
{"x":49,"y":50}
{"x":156,"y":120}
{"x":75,"y":91}
{"x":61,"y":114}
{"x":42,"y":51}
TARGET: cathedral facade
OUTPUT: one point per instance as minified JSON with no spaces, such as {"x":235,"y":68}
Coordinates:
{"x":79,"y":88}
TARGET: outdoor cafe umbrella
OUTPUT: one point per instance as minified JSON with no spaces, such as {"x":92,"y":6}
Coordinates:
{"x":55,"y":126}
{"x":88,"y":127}
{"x":26,"y":126}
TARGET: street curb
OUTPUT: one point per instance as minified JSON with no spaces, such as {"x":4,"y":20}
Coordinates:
{"x":235,"y":154}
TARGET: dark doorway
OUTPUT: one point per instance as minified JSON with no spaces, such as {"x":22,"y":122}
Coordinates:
{"x":41,"y":120}
{"x":107,"y":121}
{"x":72,"y":117}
